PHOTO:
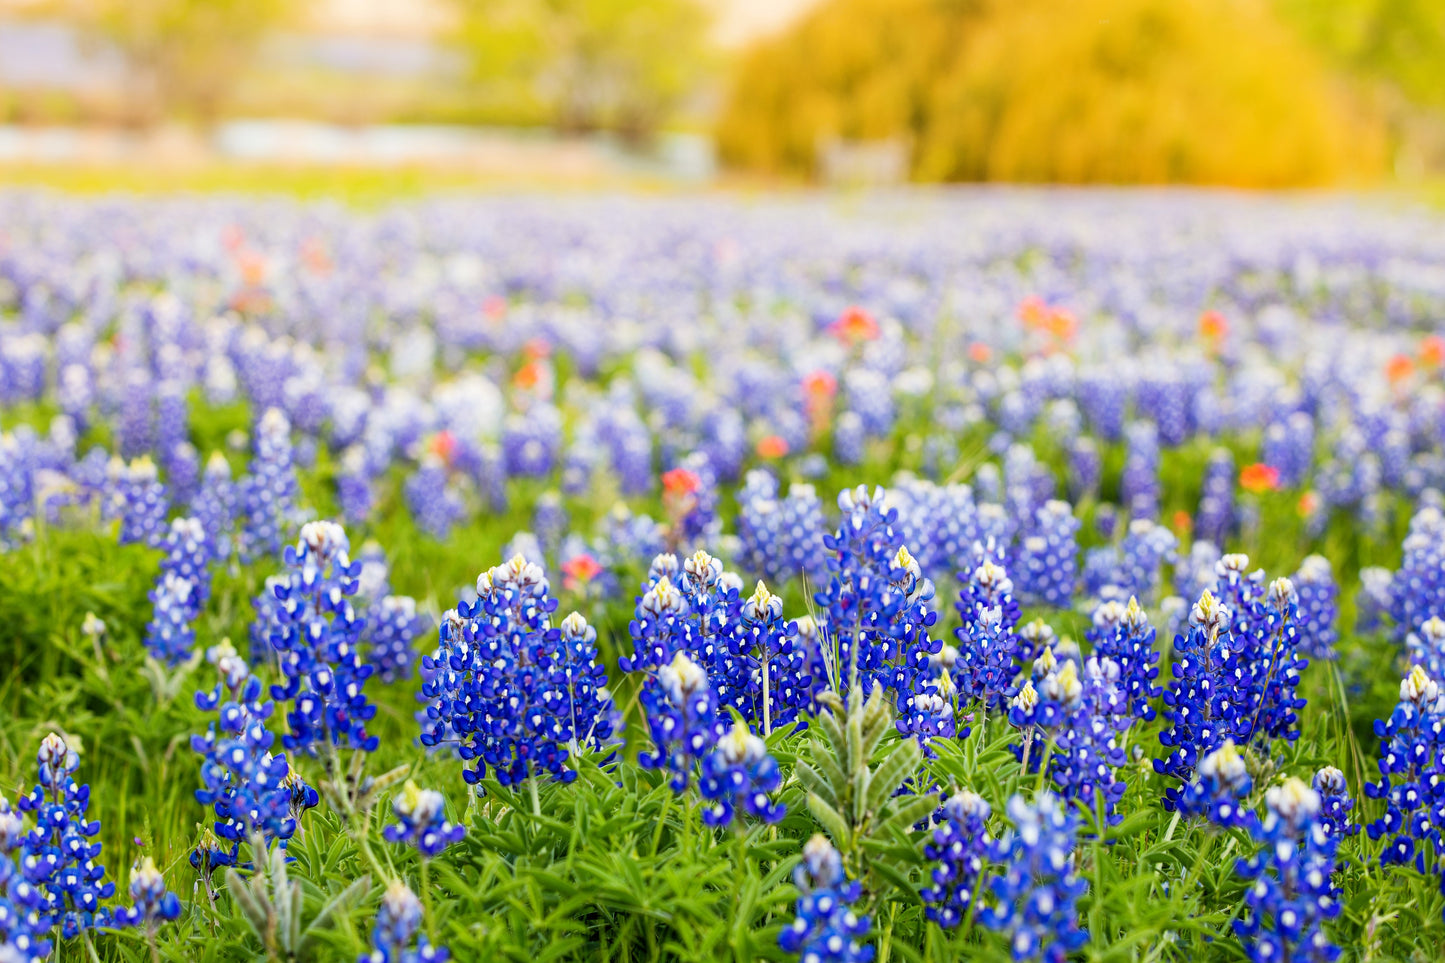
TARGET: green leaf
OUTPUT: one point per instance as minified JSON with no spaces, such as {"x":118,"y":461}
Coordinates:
{"x":833,"y":823}
{"x":907,"y":813}
{"x":256,"y":913}
{"x":855,"y":758}
{"x":891,"y":773}
{"x":901,"y":882}
{"x":339,"y":902}
{"x":814,"y":782}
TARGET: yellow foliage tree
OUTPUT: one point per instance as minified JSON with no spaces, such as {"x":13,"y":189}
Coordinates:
{"x":1072,"y":91}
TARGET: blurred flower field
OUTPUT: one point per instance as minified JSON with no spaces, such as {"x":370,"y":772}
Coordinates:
{"x":994,"y":574}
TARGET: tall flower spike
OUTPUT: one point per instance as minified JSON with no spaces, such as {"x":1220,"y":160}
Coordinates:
{"x":826,"y":929}
{"x":959,"y":847}
{"x":398,"y":936}
{"x":740,"y":774}
{"x":56,"y":855}
{"x":1293,"y":893}
{"x":152,"y":903}
{"x":1034,"y":894}
{"x":422,"y":822}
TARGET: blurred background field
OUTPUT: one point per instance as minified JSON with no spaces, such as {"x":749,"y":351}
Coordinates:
{"x":369,"y":98}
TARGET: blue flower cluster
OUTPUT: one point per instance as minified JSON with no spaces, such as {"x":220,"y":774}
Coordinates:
{"x":520,"y":695}
{"x":1217,"y":793}
{"x":682,"y":719}
{"x":1048,"y":557}
{"x":422,"y":821}
{"x":1412,"y":765}
{"x":987,"y":642}
{"x":249,"y":788}
{"x":181,"y":591}
{"x":876,"y":608}
{"x":1123,"y":635}
{"x":959,"y":848}
{"x":1034,"y":895}
{"x":737,"y":776}
{"x":781,"y":537}
{"x":266,"y":497}
{"x":1293,"y":891}
{"x":25,"y":927}
{"x":1236,"y":671}
{"x":57,"y":856}
{"x":138,"y":499}
{"x":316,"y":636}
{"x":1335,"y":802}
{"x":1319,"y":607}
{"x":152,"y":904}
{"x":826,"y":929}
{"x":397,"y":936}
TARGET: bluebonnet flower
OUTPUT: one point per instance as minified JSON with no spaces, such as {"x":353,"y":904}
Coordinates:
{"x":1033,"y":896}
{"x":519,"y":695}
{"x":355,"y":488}
{"x":738,"y":775}
{"x":987,"y":643}
{"x":398,"y":936}
{"x":1215,"y":520}
{"x":316,"y":636}
{"x":1085,"y":468}
{"x":1236,"y":672}
{"x":215,"y":505}
{"x":549,"y":520}
{"x":1220,"y":784}
{"x":25,"y":928}
{"x":682,"y":718}
{"x":152,"y":904}
{"x":138,"y":499}
{"x":392,"y":625}
{"x":959,"y":847}
{"x":826,"y":929}
{"x":180,"y":593}
{"x":1139,"y":485}
{"x":689,"y":500}
{"x":768,"y":674}
{"x":1335,"y":802}
{"x":422,"y":821}
{"x":1293,"y":893}
{"x":1122,"y":634}
{"x":1417,"y":589}
{"x":1410,"y":772}
{"x":56,"y":856}
{"x":1318,"y":607}
{"x":1426,"y":646}
{"x":781,"y":537}
{"x":243,"y":782}
{"x":1048,"y":558}
{"x":266,"y":497}
{"x":434,"y":503}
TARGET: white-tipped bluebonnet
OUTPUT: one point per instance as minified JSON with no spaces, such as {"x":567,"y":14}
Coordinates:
{"x":151,"y":902}
{"x":316,"y":636}
{"x":435,"y":504}
{"x":766,"y":672}
{"x":180,"y":593}
{"x":1220,"y":784}
{"x":739,"y":775}
{"x":138,"y":499}
{"x":215,"y":505}
{"x":682,"y":719}
{"x":397,"y":936}
{"x":266,"y":496}
{"x":1034,"y":894}
{"x":1335,"y":802}
{"x":422,"y":821}
{"x":25,"y":926}
{"x":1122,"y":634}
{"x":958,"y":849}
{"x":1215,"y":520}
{"x":1409,"y":773}
{"x":826,"y":929}
{"x":392,"y":626}
{"x":57,"y":856}
{"x":1048,"y":563}
{"x":1319,"y":609}
{"x":241,"y":779}
{"x":519,"y":695}
{"x":987,"y":643}
{"x":1293,"y":892}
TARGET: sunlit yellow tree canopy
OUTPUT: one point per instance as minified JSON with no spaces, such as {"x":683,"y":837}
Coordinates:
{"x":1087,"y":91}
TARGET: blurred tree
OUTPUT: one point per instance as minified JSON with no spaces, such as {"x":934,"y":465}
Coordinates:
{"x":1399,"y":42}
{"x":185,"y":55}
{"x":1111,"y":91}
{"x":623,"y":65}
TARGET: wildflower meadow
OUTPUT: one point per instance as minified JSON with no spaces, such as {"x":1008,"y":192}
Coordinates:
{"x":997,"y":574}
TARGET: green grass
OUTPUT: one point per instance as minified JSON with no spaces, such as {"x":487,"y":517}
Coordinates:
{"x":614,"y":866}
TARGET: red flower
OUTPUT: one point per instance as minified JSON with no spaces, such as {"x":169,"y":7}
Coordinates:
{"x":578,"y":571}
{"x":1213,"y":327}
{"x":680,"y":481}
{"x":772,"y":446}
{"x":1259,"y":477}
{"x":443,"y":444}
{"x":1399,"y":368}
{"x":854,"y":325}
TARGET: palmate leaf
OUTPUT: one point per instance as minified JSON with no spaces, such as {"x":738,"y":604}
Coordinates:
{"x":903,"y":814}
{"x":338,"y":904}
